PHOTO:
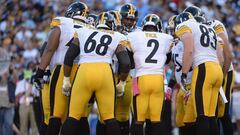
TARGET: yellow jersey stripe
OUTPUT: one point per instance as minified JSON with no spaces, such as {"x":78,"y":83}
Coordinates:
{"x":55,"y":22}
{"x":126,"y":43}
{"x":182,"y":30}
{"x":218,"y":29}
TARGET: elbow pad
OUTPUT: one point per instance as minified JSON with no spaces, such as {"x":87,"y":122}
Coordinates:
{"x":71,"y":54}
{"x":124,"y":61}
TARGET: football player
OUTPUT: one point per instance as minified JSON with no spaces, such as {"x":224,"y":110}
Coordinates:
{"x":149,"y":58}
{"x":200,"y":43}
{"x":185,"y":118}
{"x":96,"y":49}
{"x":58,"y":41}
{"x":228,"y":73}
{"x":129,"y":18}
{"x":223,"y":108}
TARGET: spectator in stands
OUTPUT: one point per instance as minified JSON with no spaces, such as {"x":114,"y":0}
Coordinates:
{"x":7,"y":100}
{"x":26,"y":113}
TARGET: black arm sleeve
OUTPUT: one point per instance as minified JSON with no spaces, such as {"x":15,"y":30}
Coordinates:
{"x":169,"y":57}
{"x":43,"y":48}
{"x":124,"y":61}
{"x":71,"y":54}
{"x":132,"y":64}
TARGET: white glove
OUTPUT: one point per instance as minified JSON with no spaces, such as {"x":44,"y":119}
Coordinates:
{"x":120,"y":88}
{"x":66,"y":86}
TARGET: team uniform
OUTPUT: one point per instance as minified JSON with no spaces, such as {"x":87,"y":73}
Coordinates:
{"x":58,"y":101}
{"x":207,"y":73}
{"x":45,"y":103}
{"x":149,"y":53}
{"x":95,"y":73}
{"x":184,"y":111}
{"x":123,"y":104}
{"x":229,"y":79}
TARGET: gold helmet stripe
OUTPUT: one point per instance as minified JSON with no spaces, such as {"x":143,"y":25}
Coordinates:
{"x":117,"y":18}
{"x":131,"y":9}
{"x":85,"y":10}
{"x":102,"y":18}
{"x":150,"y":19}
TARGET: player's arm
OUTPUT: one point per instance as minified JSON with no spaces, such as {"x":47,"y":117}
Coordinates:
{"x":220,"y":52}
{"x":187,"y":39}
{"x":124,"y":62}
{"x":227,"y":53}
{"x":186,"y":36}
{"x":72,"y":52}
{"x":51,"y":47}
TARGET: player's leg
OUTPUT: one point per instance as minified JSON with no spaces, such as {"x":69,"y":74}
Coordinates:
{"x":45,"y":103}
{"x":105,"y":98}
{"x":54,"y":122}
{"x":123,"y":107}
{"x":140,"y":105}
{"x":81,"y":93}
{"x":198,"y":79}
{"x":189,"y":117}
{"x":215,"y":82}
{"x":155,"y":83}
{"x":223,"y":109}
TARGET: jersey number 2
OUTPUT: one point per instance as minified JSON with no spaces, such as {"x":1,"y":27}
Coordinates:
{"x":155,"y":48}
{"x":101,"y":48}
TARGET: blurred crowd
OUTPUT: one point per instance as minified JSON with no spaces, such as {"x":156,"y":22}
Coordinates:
{"x":24,"y":25}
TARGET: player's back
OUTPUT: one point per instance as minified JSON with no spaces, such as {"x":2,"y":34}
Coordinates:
{"x":205,"y":41}
{"x":149,"y":50}
{"x":66,"y":26}
{"x":98,"y":45}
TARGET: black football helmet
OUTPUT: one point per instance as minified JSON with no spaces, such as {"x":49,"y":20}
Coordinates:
{"x":152,"y":20}
{"x":195,"y":11}
{"x":182,"y":17}
{"x":200,"y":19}
{"x":106,"y":21}
{"x":117,"y":20}
{"x":91,"y":19}
{"x":129,"y":11}
{"x":77,"y":10}
{"x":171,"y":25}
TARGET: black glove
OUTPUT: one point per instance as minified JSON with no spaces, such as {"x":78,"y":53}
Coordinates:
{"x":184,"y":80}
{"x":38,"y":79}
{"x":46,"y":76}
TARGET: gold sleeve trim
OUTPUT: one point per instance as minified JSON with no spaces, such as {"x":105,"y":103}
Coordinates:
{"x":219,"y":29}
{"x":126,"y":43}
{"x":182,"y":30}
{"x":55,"y":22}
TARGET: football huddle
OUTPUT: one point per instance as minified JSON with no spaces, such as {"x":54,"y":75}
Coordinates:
{"x":107,"y":60}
